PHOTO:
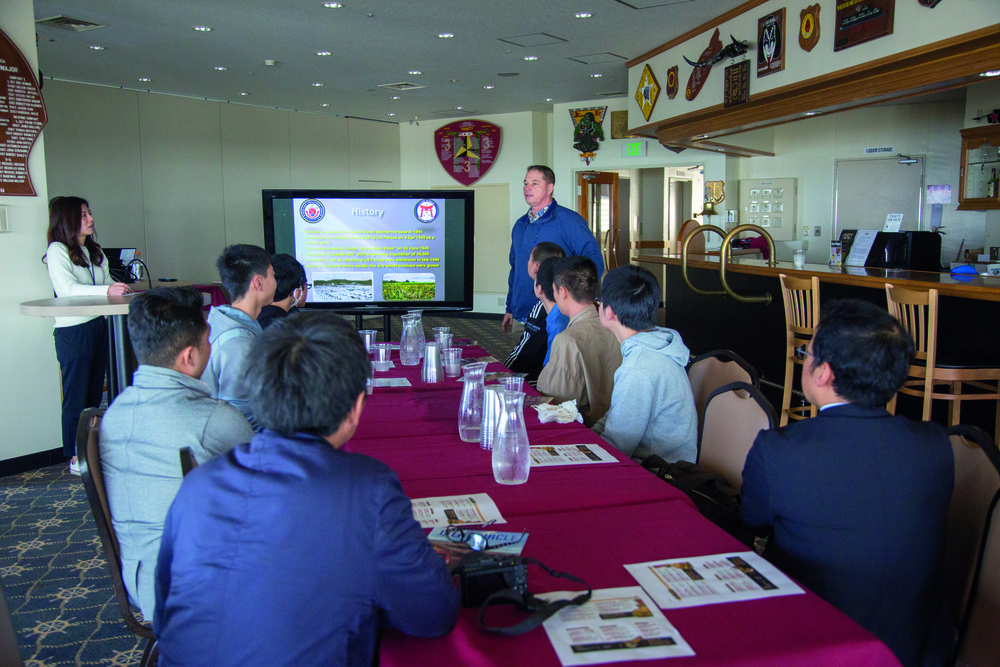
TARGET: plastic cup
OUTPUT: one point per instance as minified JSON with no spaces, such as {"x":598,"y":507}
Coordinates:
{"x":440,"y":330}
{"x":799,"y":258}
{"x":370,"y":381}
{"x":452,"y":357}
{"x":383,"y":352}
{"x":443,"y":339}
{"x":512,"y":383}
{"x":368,"y":335}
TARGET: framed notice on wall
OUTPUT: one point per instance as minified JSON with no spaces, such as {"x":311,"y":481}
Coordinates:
{"x":771,"y":40}
{"x":859,"y":21}
{"x":22,"y":115}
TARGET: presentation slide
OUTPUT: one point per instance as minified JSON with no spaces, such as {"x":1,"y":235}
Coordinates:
{"x":368,"y":250}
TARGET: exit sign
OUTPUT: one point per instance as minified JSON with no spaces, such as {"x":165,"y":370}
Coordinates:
{"x":634,"y":149}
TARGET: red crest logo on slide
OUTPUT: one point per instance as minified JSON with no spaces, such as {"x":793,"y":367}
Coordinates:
{"x":426,"y":210}
{"x":467,"y":149}
{"x":312,"y":210}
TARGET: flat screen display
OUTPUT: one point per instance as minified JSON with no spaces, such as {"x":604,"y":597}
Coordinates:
{"x":377,"y":249}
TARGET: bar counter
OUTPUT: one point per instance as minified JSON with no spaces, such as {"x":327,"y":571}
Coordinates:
{"x":968,"y":318}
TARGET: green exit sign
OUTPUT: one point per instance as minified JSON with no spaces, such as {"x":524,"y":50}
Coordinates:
{"x":634,"y":149}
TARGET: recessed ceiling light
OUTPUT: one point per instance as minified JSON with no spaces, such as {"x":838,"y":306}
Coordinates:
{"x":244,"y":94}
{"x":145,"y":79}
{"x":459,"y":108}
{"x":97,"y":48}
{"x":445,"y":35}
{"x":395,"y":97}
{"x":415,"y":71}
{"x":992,"y":72}
{"x":202,"y":28}
{"x":810,"y":113}
{"x":318,"y":85}
{"x":488,"y":87}
{"x":332,"y":5}
{"x":583,"y":15}
{"x":391,"y":114}
{"x":548,"y":99}
{"x":324,"y":104}
{"x":531,"y":57}
{"x":596,"y":76}
{"x":221,"y":69}
{"x":322,"y":53}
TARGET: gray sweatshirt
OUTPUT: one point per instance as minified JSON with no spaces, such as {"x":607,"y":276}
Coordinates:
{"x":652,"y":407}
{"x":233,"y":332}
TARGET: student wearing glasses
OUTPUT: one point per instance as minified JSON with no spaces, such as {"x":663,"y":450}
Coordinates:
{"x":858,"y":498}
{"x":290,"y":292}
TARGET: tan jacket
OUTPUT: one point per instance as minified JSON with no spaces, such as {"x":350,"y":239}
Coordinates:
{"x":582,"y":365}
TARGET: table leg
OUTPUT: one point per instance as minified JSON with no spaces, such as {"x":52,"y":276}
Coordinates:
{"x":118,"y":361}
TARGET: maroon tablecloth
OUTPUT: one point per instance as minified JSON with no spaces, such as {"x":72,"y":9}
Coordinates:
{"x":590,"y":521}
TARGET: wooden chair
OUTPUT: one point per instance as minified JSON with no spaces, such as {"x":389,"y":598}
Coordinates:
{"x":733,"y":416}
{"x":698,"y":245}
{"x":971,"y":568}
{"x":918,"y":313}
{"x":88,"y":453}
{"x":707,"y":372}
{"x":188,"y":461}
{"x":801,"y":299}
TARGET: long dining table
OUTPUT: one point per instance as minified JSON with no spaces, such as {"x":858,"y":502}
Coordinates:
{"x":589,"y":521}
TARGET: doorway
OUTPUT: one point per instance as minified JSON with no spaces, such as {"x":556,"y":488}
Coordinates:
{"x":599,"y":203}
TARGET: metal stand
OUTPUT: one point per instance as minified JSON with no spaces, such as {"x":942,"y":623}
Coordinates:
{"x":386,"y":324}
{"x":118,"y":375}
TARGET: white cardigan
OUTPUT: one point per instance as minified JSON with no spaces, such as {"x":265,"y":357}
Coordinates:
{"x":68,"y":279}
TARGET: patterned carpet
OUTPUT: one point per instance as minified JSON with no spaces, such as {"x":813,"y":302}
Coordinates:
{"x":52,"y":566}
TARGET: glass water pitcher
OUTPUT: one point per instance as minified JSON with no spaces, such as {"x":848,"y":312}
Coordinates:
{"x":470,"y":412}
{"x":511,"y":452}
{"x":411,"y":343}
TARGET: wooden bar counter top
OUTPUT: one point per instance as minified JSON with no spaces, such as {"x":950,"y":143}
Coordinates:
{"x":984,"y":288}
{"x":968,"y":319}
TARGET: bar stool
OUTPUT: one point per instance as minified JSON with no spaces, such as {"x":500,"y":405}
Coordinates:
{"x":801,"y":298}
{"x":917,"y":311}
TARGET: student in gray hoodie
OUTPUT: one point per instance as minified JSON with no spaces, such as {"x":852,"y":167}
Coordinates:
{"x":652,"y":407}
{"x":247,"y":275}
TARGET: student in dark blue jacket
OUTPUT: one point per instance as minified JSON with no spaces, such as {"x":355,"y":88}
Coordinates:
{"x":858,"y":498}
{"x":288,"y":550}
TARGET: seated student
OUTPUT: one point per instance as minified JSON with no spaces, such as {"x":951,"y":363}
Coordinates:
{"x":529,"y":355}
{"x":584,"y":357}
{"x":652,"y":407}
{"x":247,"y":275}
{"x":858,"y":498}
{"x":555,"y":322}
{"x":290,"y":290}
{"x":289,"y":550}
{"x":165,"y":409}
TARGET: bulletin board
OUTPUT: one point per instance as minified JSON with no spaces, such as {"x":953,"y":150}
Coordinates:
{"x":868,"y":190}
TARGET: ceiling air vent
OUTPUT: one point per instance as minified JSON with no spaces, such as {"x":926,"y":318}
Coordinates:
{"x":613,"y":93}
{"x":67,"y":23}
{"x":402,"y":85}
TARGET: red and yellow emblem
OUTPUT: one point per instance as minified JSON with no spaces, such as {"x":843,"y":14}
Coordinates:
{"x":672,"y":82}
{"x":809,"y":27}
{"x":647,"y":92}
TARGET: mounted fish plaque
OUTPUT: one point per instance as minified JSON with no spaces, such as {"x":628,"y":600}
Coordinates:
{"x":713,"y":54}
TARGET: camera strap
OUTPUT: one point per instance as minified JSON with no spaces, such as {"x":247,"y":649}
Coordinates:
{"x":541,"y":609}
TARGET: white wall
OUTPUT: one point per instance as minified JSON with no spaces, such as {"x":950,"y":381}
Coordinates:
{"x":525,"y":141}
{"x":180,"y":178}
{"x":808,"y":150}
{"x":29,"y":394}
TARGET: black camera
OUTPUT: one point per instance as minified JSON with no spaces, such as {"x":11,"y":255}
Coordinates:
{"x":482,"y":573}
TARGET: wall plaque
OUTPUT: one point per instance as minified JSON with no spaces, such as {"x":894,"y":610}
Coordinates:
{"x":809,"y":27}
{"x":737,"y":88}
{"x":859,"y":21}
{"x":22,"y":117}
{"x":467,"y":149}
{"x":771,"y":43}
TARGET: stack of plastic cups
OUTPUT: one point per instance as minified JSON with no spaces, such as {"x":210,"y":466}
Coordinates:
{"x":432,"y":370}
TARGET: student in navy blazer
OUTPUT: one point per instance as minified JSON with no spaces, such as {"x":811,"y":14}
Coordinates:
{"x":289,"y":550}
{"x":858,"y":498}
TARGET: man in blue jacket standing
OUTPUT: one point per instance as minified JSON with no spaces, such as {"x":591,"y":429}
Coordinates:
{"x":545,"y":220}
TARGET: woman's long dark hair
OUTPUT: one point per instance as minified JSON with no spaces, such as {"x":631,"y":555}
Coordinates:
{"x":65,"y":221}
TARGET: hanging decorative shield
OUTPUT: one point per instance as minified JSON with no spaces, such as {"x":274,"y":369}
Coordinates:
{"x":22,"y":115}
{"x":467,"y":149}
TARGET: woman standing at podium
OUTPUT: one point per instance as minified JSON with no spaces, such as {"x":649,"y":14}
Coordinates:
{"x":77,"y":267}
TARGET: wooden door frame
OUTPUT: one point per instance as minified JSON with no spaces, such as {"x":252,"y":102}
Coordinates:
{"x":609,"y":248}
